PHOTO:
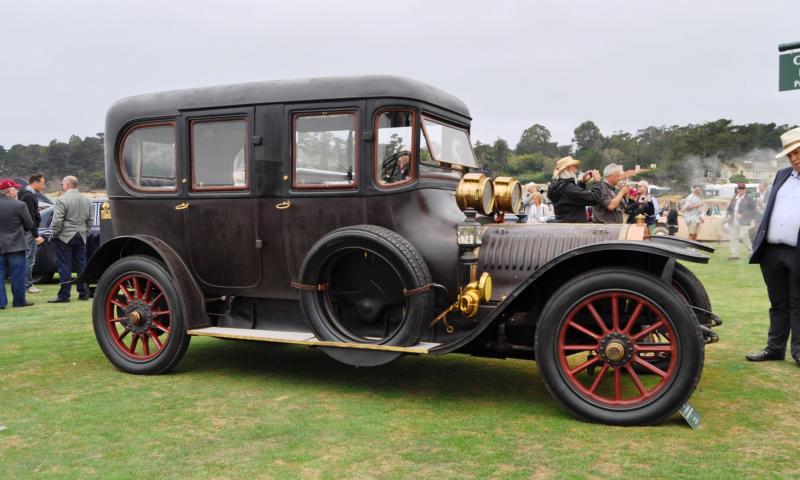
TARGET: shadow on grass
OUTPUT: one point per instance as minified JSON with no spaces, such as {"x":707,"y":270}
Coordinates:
{"x":457,"y":377}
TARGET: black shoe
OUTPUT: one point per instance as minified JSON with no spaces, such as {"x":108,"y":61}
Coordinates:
{"x":26,"y":304}
{"x":796,"y":357}
{"x":763,"y":356}
{"x":83,"y":298}
{"x":58,"y":300}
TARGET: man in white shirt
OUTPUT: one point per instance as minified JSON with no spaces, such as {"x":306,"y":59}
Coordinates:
{"x":776,"y":249}
{"x":740,"y":216}
{"x":693,"y":211}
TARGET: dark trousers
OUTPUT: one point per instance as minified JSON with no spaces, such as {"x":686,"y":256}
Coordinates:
{"x":13,"y":265}
{"x":779,"y":265}
{"x":71,"y":258}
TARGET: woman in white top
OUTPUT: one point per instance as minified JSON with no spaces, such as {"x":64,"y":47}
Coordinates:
{"x":538,"y":211}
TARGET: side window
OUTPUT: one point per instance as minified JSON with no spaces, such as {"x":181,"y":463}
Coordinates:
{"x":325,"y":150}
{"x":219,"y":155}
{"x":148,"y":157}
{"x":394,"y":147}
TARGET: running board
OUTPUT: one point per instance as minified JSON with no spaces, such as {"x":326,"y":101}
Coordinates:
{"x":304,"y":338}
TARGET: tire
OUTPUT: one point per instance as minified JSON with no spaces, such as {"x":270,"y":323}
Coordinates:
{"x":366,"y":269}
{"x":43,"y":277}
{"x":138,"y":318}
{"x":691,"y":289}
{"x":617,"y":394}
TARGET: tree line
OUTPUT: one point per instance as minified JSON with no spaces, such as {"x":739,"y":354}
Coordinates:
{"x":82,"y":157}
{"x":681,"y":154}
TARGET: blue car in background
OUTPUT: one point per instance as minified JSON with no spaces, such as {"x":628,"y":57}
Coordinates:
{"x":46,"y":265}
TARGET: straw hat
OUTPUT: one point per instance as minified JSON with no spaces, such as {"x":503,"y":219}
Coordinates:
{"x":567,"y":162}
{"x":791,"y":141}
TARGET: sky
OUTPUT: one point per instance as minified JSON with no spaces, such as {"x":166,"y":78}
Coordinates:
{"x":625,"y":65}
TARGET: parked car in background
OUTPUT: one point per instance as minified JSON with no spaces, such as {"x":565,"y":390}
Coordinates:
{"x":714,"y":228}
{"x":46,"y":265}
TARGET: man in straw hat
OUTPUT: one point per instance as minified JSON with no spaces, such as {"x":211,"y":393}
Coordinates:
{"x":568,"y":192}
{"x":776,"y":249}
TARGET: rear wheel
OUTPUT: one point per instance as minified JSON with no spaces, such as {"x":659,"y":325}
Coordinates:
{"x":138,"y":318}
{"x":605,"y":327}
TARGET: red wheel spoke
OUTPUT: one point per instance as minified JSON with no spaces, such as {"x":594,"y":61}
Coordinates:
{"x":634,"y":317}
{"x":585,"y":330}
{"x":146,"y":291}
{"x":649,"y":366}
{"x":653,"y":348}
{"x":120,"y":305}
{"x":617,"y":384}
{"x":115,"y":320}
{"x":599,"y":378}
{"x":145,"y":345}
{"x":636,"y":380}
{"x":154,"y":336}
{"x":580,"y":348}
{"x":660,"y":323}
{"x":125,"y":291}
{"x":161,"y":327}
{"x":158,"y":313}
{"x":124,"y":334}
{"x":585,"y":364}
{"x":597,"y":318}
{"x":614,"y":313}
{"x":135,"y":340}
{"x":157,"y":298}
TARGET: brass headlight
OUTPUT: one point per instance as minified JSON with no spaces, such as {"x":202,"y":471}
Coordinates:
{"x":476,"y":190}
{"x":508,"y":194}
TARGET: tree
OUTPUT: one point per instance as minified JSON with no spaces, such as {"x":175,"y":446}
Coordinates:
{"x":536,"y":139}
{"x":587,"y":137}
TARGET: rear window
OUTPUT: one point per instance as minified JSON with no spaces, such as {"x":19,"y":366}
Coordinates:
{"x":325,"y":150}
{"x":219,"y":154}
{"x":148,"y":157}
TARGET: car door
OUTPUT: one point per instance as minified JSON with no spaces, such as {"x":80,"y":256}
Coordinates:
{"x":220,"y":214}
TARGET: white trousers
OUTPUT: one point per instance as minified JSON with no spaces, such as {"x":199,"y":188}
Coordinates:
{"x":739,"y":235}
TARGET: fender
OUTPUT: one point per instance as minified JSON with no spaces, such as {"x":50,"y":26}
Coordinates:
{"x":672,"y":240}
{"x":192,"y":298}
{"x":653,"y":257}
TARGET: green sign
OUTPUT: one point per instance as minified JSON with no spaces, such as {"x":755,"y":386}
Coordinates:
{"x":789,"y":72}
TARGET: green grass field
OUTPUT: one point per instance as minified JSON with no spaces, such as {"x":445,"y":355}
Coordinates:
{"x":247,"y":410}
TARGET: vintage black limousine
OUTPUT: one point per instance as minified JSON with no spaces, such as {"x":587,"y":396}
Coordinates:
{"x":350,"y":214}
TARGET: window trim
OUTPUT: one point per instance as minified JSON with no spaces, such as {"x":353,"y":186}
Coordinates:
{"x":356,"y":150}
{"x":456,"y":166}
{"x":414,"y":140}
{"x":228,"y":118}
{"x":126,"y":180}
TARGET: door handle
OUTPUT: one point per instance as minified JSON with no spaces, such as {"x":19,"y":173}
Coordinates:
{"x":283,"y":205}
{"x":182,"y":206}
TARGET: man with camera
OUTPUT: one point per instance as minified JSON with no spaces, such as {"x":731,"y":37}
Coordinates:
{"x":568,"y":191}
{"x":610,"y":209}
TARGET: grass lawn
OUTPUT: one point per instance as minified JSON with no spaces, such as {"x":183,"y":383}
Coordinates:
{"x":249,"y":410}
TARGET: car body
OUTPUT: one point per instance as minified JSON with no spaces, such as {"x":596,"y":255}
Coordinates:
{"x":349,"y":214}
{"x":46,"y":265}
{"x":713,"y":228}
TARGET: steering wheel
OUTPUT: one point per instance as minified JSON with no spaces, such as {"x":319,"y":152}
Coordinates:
{"x":390,"y":167}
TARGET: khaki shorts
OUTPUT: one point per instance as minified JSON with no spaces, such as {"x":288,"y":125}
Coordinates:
{"x":693,"y":228}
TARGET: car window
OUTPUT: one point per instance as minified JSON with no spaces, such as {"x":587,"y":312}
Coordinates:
{"x":325,"y":150}
{"x":219,"y":154}
{"x":148,"y":157}
{"x":394,"y":147}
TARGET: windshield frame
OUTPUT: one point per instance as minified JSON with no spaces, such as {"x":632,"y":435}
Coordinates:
{"x":440,"y":163}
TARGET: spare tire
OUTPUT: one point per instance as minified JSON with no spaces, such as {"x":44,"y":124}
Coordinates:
{"x":365,"y":284}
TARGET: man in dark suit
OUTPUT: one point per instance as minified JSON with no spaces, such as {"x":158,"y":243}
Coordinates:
{"x":777,"y":249}
{"x":27,"y":195}
{"x":14,"y":221}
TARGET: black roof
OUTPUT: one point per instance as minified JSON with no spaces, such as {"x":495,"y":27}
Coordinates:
{"x":278,"y":91}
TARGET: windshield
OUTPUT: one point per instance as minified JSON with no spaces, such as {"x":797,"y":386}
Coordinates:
{"x":446,"y":144}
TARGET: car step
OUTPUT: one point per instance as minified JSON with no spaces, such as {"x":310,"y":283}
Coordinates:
{"x":303,"y":338}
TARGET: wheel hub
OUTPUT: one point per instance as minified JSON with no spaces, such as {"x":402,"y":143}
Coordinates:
{"x":616,"y":349}
{"x":138,"y":317}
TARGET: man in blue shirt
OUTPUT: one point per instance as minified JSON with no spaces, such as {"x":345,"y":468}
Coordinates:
{"x":776,"y":249}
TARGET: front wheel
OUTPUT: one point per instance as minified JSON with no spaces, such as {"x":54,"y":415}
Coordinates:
{"x":137,"y":316}
{"x":602,"y":330}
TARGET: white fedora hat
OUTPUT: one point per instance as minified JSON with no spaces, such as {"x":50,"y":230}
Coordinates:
{"x":790,"y":141}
